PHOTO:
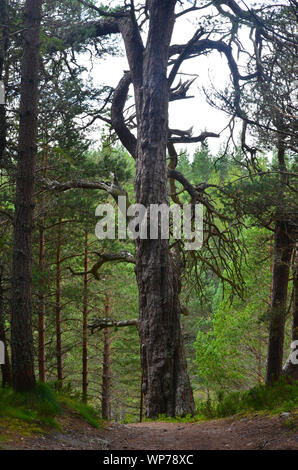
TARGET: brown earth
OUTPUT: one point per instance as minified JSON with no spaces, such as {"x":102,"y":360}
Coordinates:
{"x":254,"y":432}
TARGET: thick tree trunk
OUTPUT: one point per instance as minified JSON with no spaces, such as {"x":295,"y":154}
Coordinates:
{"x":58,"y":309}
{"x":21,"y":322}
{"x":290,"y":368}
{"x":166,"y":384}
{"x":106,"y":370}
{"x":85,"y":324}
{"x":5,"y":368}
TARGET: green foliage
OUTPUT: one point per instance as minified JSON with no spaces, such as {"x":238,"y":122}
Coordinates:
{"x":280,"y":397}
{"x":129,"y":418}
{"x":232,"y":349}
{"x":202,"y":165}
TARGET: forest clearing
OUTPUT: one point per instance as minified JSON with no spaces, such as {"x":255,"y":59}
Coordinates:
{"x":148,"y":225}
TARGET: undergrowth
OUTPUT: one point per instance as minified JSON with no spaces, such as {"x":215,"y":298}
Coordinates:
{"x":43,"y":405}
{"x":88,"y":413}
{"x":281,"y":397}
{"x":278,"y":398}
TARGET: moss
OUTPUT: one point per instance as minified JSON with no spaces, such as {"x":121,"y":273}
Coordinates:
{"x":38,"y":406}
{"x":12,"y":428}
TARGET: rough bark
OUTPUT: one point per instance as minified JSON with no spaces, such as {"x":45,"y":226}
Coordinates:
{"x":290,"y":369}
{"x":21,"y":323}
{"x":166,"y":385}
{"x":85,"y":324}
{"x":106,"y":370}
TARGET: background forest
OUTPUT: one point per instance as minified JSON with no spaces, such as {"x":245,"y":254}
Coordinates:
{"x":85,"y":303}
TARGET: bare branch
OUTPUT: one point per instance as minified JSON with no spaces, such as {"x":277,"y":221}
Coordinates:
{"x":120,"y":96}
{"x":114,"y":187}
{"x":102,"y":12}
{"x":186,"y":139}
{"x":102,"y":323}
{"x":122,"y":256}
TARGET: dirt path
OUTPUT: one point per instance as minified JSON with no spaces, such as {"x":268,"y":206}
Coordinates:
{"x":256,"y":432}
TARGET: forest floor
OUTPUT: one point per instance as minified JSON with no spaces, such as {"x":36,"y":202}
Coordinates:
{"x":236,"y":433}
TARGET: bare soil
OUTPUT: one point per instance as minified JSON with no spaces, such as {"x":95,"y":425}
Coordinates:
{"x":254,"y":432}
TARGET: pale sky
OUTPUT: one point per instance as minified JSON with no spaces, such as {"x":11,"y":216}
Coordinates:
{"x":188,"y":113}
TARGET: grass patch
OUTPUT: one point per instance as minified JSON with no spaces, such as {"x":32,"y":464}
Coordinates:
{"x":275,"y":399}
{"x":36,"y":411}
{"x":87,"y":412}
{"x":176,"y":419}
{"x":39,"y":405}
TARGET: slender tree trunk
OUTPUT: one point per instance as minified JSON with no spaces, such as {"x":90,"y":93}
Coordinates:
{"x":283,"y":246}
{"x":166,"y":384}
{"x":85,"y":324}
{"x":5,"y":368}
{"x":3,"y":78}
{"x":141,"y":401}
{"x":106,"y":370}
{"x":280,"y":278}
{"x":42,"y":311}
{"x":58,"y":309}
{"x":42,"y":296}
{"x":259,"y":356}
{"x":271,"y":265}
{"x":295,"y":297}
{"x":290,"y":368}
{"x":21,"y":320}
